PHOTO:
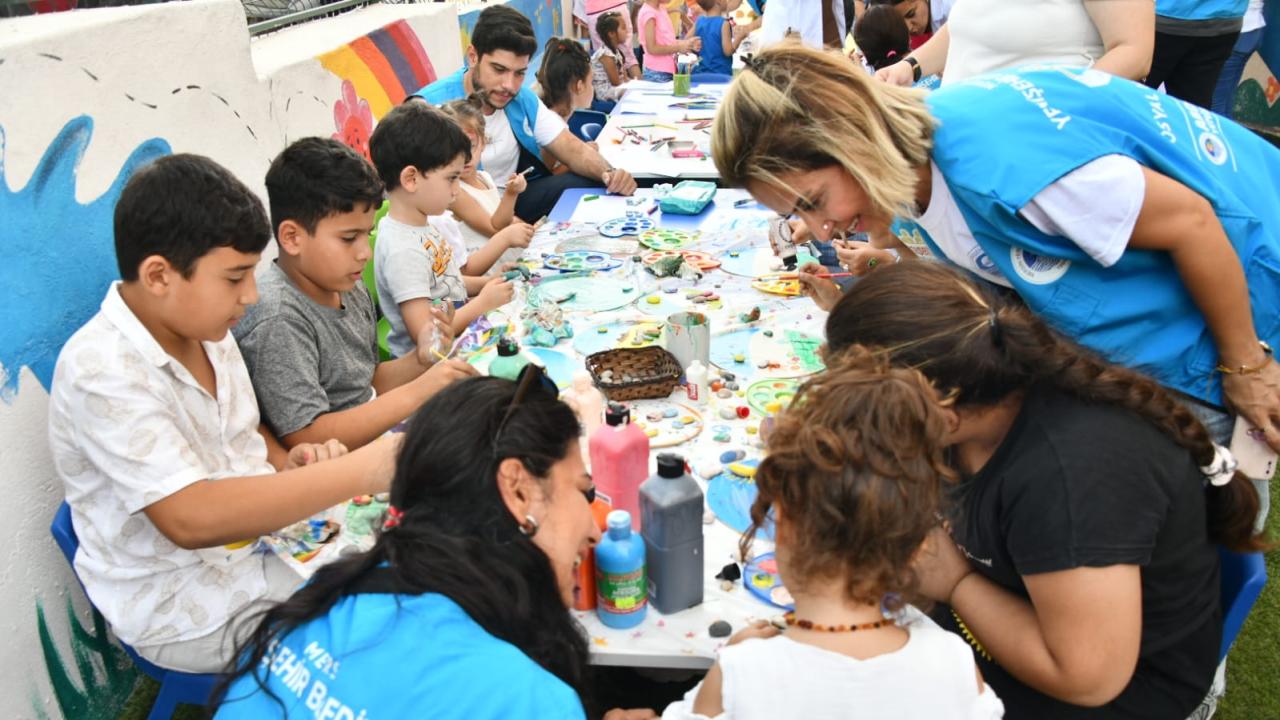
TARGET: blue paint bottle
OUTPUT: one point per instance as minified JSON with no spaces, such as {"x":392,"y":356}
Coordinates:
{"x":622,"y":589}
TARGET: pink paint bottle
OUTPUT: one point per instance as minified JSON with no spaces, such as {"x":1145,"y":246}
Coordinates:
{"x":619,"y":461}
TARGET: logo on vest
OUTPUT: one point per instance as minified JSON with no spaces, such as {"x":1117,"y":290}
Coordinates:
{"x":1214,"y":148}
{"x":1038,"y":269}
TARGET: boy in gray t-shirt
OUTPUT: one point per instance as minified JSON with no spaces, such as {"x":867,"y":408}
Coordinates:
{"x":419,"y":153}
{"x":310,"y":342}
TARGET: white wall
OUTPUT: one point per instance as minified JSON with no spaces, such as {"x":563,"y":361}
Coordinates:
{"x":110,"y":89}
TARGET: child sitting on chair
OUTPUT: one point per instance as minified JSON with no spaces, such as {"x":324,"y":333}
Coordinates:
{"x":419,"y":153}
{"x":851,"y":482}
{"x":491,"y":232}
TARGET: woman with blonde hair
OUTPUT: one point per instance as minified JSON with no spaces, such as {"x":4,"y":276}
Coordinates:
{"x":1143,"y":227}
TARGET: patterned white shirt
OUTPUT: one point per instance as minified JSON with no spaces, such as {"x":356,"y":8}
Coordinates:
{"x":129,"y":425}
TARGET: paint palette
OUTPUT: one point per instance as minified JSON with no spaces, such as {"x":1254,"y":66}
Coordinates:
{"x":782,"y":353}
{"x":588,"y":292}
{"x":754,"y":262}
{"x":787,"y":285}
{"x":633,"y":223}
{"x":730,"y":496}
{"x":763,"y":393}
{"x":619,"y":334}
{"x":698,"y":259}
{"x":580,"y":260}
{"x":760,"y":577}
{"x":663,"y":239}
{"x":666,"y":422}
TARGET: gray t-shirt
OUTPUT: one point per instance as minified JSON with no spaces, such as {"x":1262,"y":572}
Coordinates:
{"x":306,"y":359}
{"x":416,"y":262}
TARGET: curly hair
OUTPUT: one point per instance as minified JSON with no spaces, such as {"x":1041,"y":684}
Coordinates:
{"x":853,"y":474}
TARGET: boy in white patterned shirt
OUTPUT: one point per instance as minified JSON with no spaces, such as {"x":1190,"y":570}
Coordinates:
{"x":154,"y":427}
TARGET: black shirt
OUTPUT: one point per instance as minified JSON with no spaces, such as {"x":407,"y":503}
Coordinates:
{"x":1080,"y":485}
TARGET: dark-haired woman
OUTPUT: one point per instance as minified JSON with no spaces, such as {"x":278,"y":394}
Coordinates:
{"x":460,"y":608}
{"x":1084,"y":567}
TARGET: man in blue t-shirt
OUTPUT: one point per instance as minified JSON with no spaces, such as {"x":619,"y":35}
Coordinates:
{"x":517,"y":125}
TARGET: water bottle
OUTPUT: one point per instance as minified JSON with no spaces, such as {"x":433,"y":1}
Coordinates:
{"x":509,"y":362}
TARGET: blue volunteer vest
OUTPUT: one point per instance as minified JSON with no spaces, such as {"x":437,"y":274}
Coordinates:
{"x":1003,"y":137}
{"x":1201,"y":9}
{"x":381,"y":655}
{"x":522,"y":111}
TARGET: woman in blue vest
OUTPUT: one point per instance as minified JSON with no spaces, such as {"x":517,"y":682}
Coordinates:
{"x":1083,"y":568}
{"x":1141,"y":226}
{"x":460,"y":609}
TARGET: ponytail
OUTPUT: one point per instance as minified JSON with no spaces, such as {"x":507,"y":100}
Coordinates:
{"x":564,"y":61}
{"x":982,"y":345}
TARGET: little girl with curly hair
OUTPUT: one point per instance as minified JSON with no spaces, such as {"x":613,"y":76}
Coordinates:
{"x":851,"y":482}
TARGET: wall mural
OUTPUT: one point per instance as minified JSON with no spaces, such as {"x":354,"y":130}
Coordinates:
{"x":382,"y":67}
{"x":47,"y":238}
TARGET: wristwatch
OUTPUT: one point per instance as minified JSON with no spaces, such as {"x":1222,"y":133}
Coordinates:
{"x":915,"y":68}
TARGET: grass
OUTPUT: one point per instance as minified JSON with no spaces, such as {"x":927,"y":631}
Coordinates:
{"x":1252,"y":690}
{"x":1254,"y":662}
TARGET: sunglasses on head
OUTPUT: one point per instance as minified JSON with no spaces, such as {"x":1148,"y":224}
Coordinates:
{"x":532,"y":379}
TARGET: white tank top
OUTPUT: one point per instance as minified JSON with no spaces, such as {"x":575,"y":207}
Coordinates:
{"x":991,"y":35}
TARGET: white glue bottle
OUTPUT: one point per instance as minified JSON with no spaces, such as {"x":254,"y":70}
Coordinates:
{"x":695,"y":378}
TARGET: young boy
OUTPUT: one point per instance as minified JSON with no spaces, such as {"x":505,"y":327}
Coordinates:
{"x":419,"y":153}
{"x":311,"y":343}
{"x":719,"y":42}
{"x":155,"y":433}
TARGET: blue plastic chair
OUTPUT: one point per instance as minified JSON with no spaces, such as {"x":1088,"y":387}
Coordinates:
{"x":1243,"y":575}
{"x":581,"y":122}
{"x":176,"y":688}
{"x":710,"y":78}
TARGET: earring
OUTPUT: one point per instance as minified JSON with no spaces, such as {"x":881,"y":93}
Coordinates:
{"x":529,"y":527}
{"x":826,"y":226}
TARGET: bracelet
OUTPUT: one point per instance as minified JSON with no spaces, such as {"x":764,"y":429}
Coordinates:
{"x":897,"y":256}
{"x":1247,"y":370}
{"x":915,"y":68}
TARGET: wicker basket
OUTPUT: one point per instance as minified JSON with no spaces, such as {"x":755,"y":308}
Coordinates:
{"x":654,"y":373}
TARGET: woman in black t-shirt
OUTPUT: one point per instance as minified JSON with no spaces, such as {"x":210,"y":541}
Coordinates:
{"x":1091,"y":586}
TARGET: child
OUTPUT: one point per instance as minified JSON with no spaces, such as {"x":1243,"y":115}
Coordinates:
{"x":311,"y":343}
{"x":490,"y":230}
{"x":607,"y":61}
{"x":419,"y":154}
{"x":154,"y":426}
{"x":882,"y":37}
{"x":717,"y":36}
{"x":565,"y":77}
{"x":658,"y":38}
{"x":852,"y":483}
{"x":625,"y":11}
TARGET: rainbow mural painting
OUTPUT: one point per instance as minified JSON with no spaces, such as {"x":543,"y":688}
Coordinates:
{"x":384,"y":66}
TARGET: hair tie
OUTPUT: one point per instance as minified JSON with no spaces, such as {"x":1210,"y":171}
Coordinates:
{"x":891,"y":54}
{"x":997,"y":333}
{"x":394,"y":516}
{"x":752,"y":63}
{"x":1222,"y":469}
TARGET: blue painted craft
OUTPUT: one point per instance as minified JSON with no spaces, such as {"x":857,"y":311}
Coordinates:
{"x":581,"y":291}
{"x":558,"y":365}
{"x":730,"y":497}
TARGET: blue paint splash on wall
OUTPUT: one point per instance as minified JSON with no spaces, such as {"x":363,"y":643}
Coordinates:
{"x":57,"y":256}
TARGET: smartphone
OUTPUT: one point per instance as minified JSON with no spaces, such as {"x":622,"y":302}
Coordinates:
{"x":1256,"y":458}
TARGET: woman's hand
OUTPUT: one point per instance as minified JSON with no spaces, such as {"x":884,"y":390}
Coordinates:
{"x":940,"y":565}
{"x":900,"y":73}
{"x":860,"y":257}
{"x":824,"y":293}
{"x":1256,"y":397}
